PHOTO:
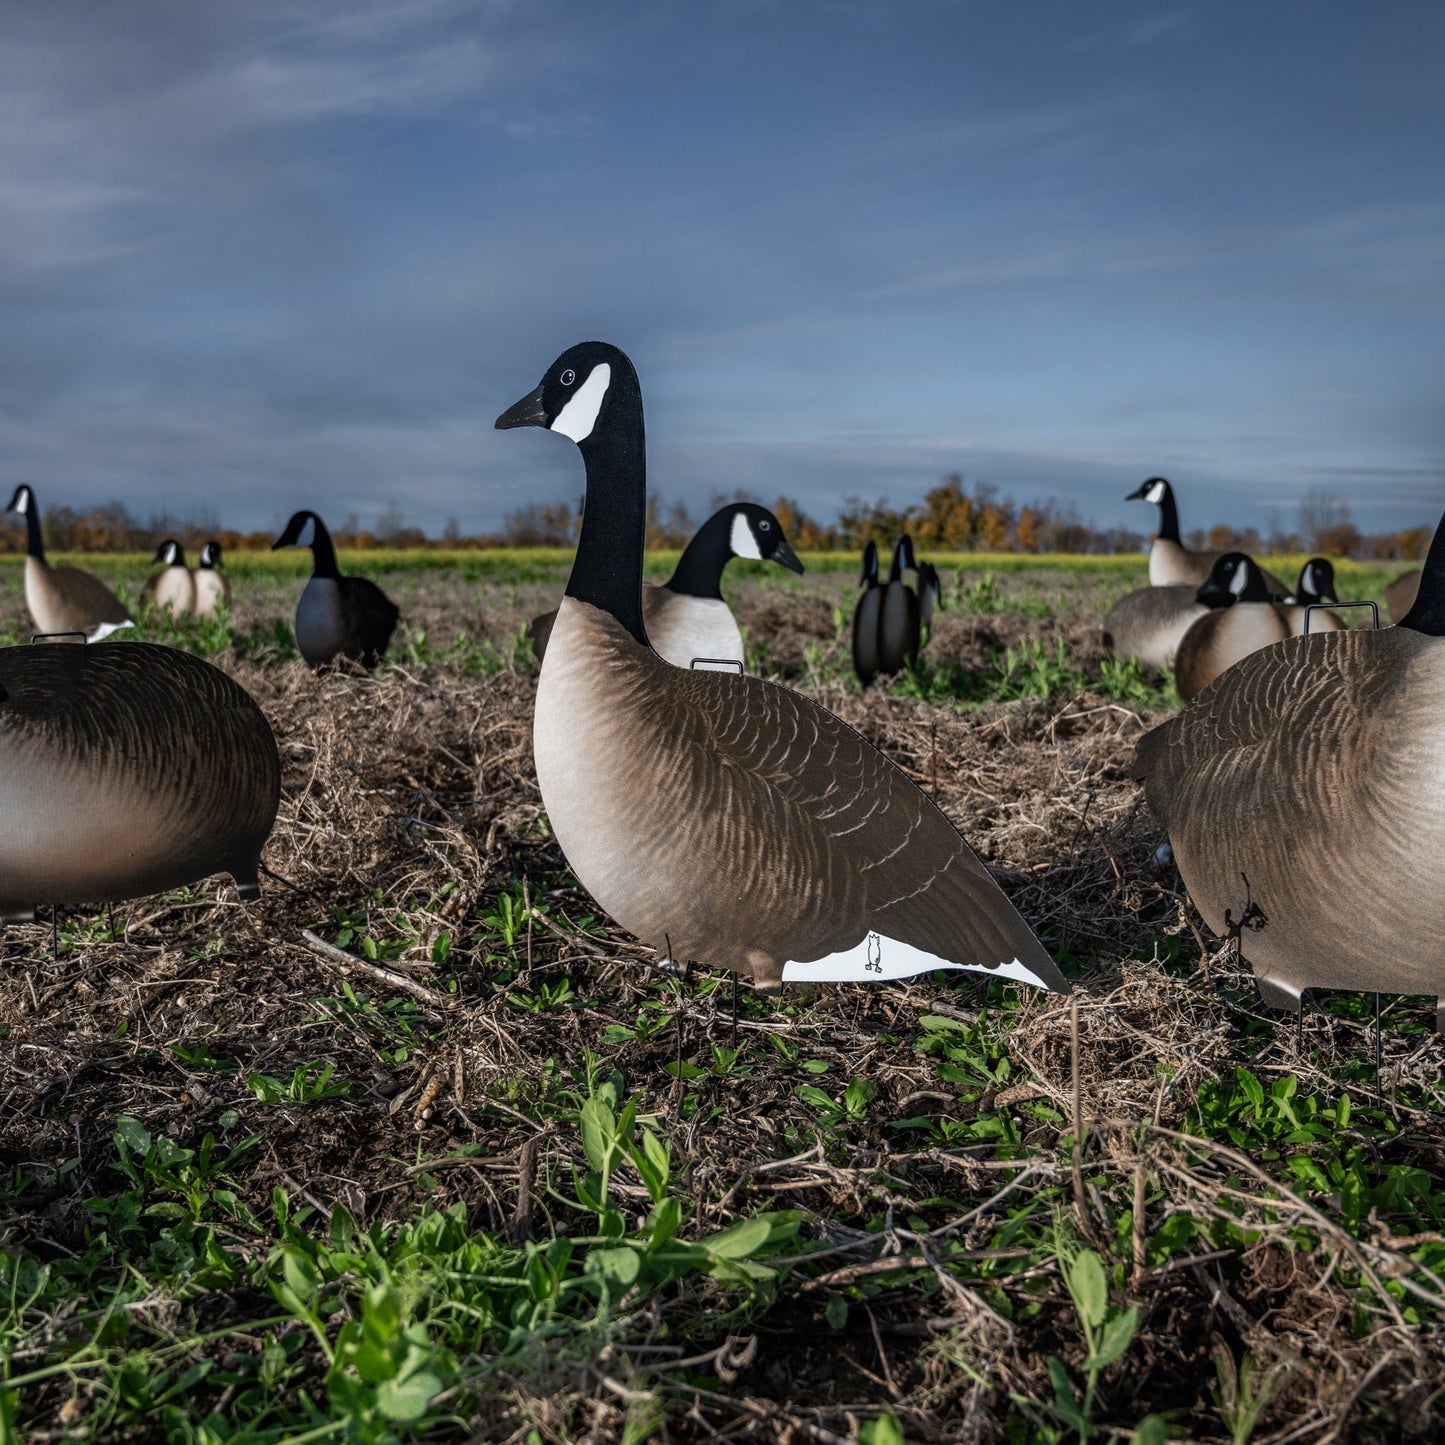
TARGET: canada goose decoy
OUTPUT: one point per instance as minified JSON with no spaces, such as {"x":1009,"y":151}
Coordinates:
{"x":686,"y":617}
{"x":126,"y":770}
{"x":930,"y":597}
{"x":173,"y":588}
{"x":899,"y":622}
{"x":1171,"y":563}
{"x":1315,"y":589}
{"x":213,"y":587}
{"x":724,"y":818}
{"x":1400,"y":594}
{"x":63,"y":599}
{"x":336,"y":616}
{"x":1150,"y":622}
{"x":865,"y":618}
{"x":1242,"y":618}
{"x":1299,"y":796}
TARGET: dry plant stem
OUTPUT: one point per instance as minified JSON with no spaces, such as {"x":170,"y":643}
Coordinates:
{"x":334,"y":955}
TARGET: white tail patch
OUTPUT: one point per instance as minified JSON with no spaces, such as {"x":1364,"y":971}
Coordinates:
{"x":878,"y":957}
{"x":742,"y":541}
{"x":579,"y":416}
{"x":106,"y":628}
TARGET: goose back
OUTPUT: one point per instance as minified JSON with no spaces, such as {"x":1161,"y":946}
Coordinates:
{"x":1150,"y":622}
{"x":125,"y":770}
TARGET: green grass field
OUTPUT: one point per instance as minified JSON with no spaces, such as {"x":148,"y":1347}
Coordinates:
{"x":420,"y":1147}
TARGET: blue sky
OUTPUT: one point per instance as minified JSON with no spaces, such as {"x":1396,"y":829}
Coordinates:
{"x":261,"y":256}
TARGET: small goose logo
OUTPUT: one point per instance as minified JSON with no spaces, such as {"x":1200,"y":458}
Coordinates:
{"x":875,"y":954}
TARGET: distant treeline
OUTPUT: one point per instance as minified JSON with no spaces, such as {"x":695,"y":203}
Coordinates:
{"x":951,"y":518}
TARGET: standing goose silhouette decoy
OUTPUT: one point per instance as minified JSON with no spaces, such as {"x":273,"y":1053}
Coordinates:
{"x":686,"y":617}
{"x":173,"y":588}
{"x":723,"y":818}
{"x":63,"y":599}
{"x":865,"y":618}
{"x":213,"y":587}
{"x":899,"y":621}
{"x":1171,"y":563}
{"x":1315,"y":589}
{"x":336,"y":616}
{"x":1300,"y":795}
{"x":126,"y":770}
{"x":1150,"y":622}
{"x":930,"y":597}
{"x":1242,"y":618}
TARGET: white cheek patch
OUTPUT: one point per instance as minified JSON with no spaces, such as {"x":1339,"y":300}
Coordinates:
{"x":306,"y":537}
{"x":22,"y":503}
{"x":1240,"y":580}
{"x":579,"y":416}
{"x":742,"y":541}
{"x":1155,"y":493}
{"x":1312,"y":582}
{"x":878,"y":958}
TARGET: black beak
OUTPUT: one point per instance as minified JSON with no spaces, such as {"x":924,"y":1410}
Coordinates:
{"x":1137,"y":495}
{"x":784,"y":556}
{"x":530,"y":411}
{"x":1215,"y":594}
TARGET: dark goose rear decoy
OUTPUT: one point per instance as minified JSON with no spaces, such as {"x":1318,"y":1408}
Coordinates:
{"x":899,"y":621}
{"x":1241,"y":619}
{"x":1150,"y":622}
{"x":63,"y":599}
{"x":1301,"y":794}
{"x":686,"y":616}
{"x":213,"y":587}
{"x":1171,"y":563}
{"x":865,"y":618}
{"x":173,"y":588}
{"x":723,"y":818}
{"x":336,"y":616}
{"x":127,"y":769}
{"x":930,"y":597}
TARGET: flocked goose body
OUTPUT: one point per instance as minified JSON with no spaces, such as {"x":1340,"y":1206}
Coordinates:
{"x":1241,"y":619}
{"x":125,"y":770}
{"x":723,"y":818}
{"x":1313,"y":771}
{"x":686,"y":618}
{"x":1150,"y":622}
{"x":899,"y":620}
{"x":213,"y":587}
{"x":1400,"y":594}
{"x":336,"y":616}
{"x":173,"y":588}
{"x":64,"y":599}
{"x":1171,"y":563}
{"x":865,"y":618}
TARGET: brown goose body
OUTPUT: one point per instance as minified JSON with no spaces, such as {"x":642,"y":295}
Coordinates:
{"x":1400,"y":594}
{"x":1314,"y":771}
{"x":1224,"y":635}
{"x":125,"y":770}
{"x":1150,"y":622}
{"x":173,"y":588}
{"x":680,"y":628}
{"x":722,"y":818}
{"x":213,"y":590}
{"x":1171,"y":563}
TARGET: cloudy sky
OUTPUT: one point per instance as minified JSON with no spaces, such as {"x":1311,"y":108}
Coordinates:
{"x":260,"y":256}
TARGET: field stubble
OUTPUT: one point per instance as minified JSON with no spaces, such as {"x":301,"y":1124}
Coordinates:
{"x":419,"y":1147}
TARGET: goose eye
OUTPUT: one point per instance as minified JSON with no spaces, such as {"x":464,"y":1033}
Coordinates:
{"x":765,"y":526}
{"x":568,"y":377}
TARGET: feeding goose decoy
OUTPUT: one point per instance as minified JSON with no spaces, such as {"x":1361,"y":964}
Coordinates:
{"x":723,"y":818}
{"x":336,"y":616}
{"x":686,"y":618}
{"x":865,"y":618}
{"x":899,"y":621}
{"x":173,"y":588}
{"x":930,"y":597}
{"x":1150,"y":622}
{"x":126,"y":770}
{"x":1171,"y":563}
{"x":1315,"y":590}
{"x":1242,"y":618}
{"x":1400,"y":594}
{"x":63,"y":599}
{"x":1299,"y":796}
{"x":213,"y":587}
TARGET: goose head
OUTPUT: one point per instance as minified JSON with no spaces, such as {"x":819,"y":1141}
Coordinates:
{"x":22,"y":501}
{"x":869,"y":576}
{"x":1233,"y":578}
{"x":572,"y":396}
{"x":211,"y":554}
{"x":1155,"y":490}
{"x":902,"y":558}
{"x":1316,"y":582}
{"x":300,"y":531}
{"x":755,"y":533}
{"x":930,"y":582}
{"x":169,"y":554}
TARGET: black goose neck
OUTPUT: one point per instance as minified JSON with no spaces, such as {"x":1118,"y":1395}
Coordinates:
{"x":699,"y":570}
{"x":1168,"y":516}
{"x":323,"y":553}
{"x":1428,"y":613}
{"x":34,"y":542}
{"x":607,"y":571}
